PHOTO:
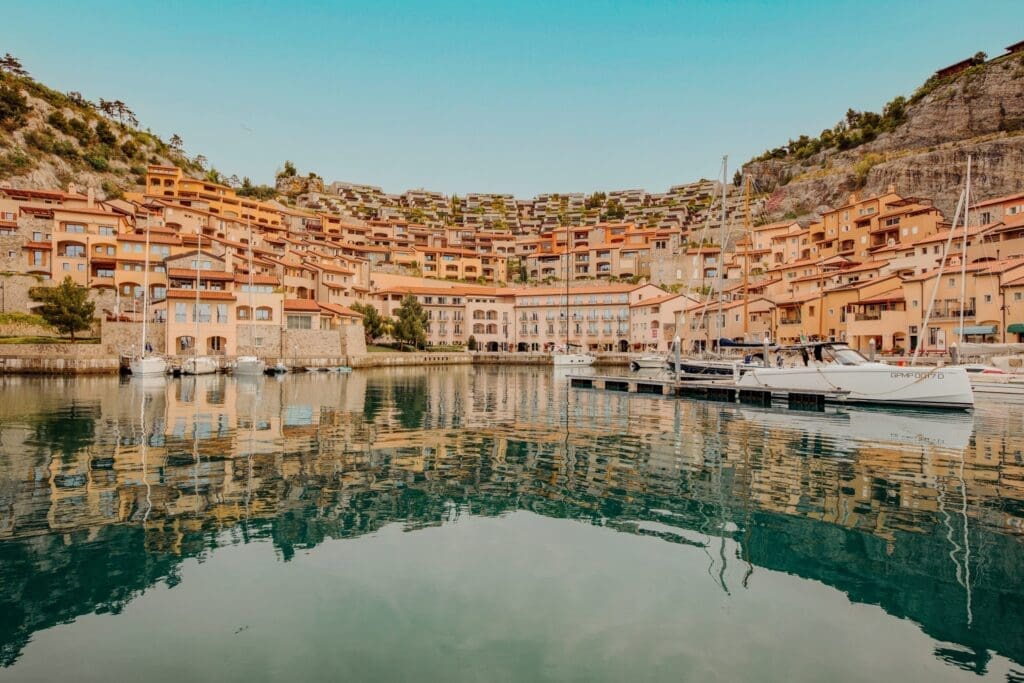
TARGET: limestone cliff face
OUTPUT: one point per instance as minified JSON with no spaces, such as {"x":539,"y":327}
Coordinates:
{"x":978,"y":112}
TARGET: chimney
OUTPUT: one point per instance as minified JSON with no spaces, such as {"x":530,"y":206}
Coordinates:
{"x":854,"y":198}
{"x":90,"y":198}
{"x":72,"y":189}
{"x":891,"y":189}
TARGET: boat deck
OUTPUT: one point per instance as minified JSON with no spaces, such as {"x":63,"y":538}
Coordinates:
{"x":711,"y":390}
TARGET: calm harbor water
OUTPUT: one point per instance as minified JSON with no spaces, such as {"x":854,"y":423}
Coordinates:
{"x":490,"y":524}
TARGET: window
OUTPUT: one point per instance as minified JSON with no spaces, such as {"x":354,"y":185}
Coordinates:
{"x":179,"y":312}
{"x":107,"y":230}
{"x":242,"y":313}
{"x":952,"y":282}
{"x":222,"y":313}
{"x":1017,"y":296}
{"x":74,"y":251}
{"x":37,"y":258}
{"x":263,"y":313}
{"x":67,"y":266}
{"x":300,"y":322}
{"x":74,"y":227}
{"x":81,"y":267}
{"x":159,"y":291}
{"x":201,"y":313}
{"x":137,"y":248}
{"x":37,"y":237}
{"x":258,"y":342}
{"x":988,"y":298}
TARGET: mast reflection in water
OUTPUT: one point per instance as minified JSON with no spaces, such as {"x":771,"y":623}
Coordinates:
{"x":754,"y":543}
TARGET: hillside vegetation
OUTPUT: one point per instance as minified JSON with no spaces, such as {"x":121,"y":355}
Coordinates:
{"x":50,"y":139}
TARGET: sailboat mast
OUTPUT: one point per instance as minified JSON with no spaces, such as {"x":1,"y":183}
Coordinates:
{"x":199,"y":265}
{"x":568,"y":278}
{"x":145,"y":289}
{"x":746,"y":258}
{"x":721,"y":251}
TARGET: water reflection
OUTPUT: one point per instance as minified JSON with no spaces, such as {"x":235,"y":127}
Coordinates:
{"x":106,"y":487}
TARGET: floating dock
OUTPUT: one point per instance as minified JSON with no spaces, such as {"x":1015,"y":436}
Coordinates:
{"x":725,"y":390}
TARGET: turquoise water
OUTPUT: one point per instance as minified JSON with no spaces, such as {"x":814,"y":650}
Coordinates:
{"x":491,"y":524}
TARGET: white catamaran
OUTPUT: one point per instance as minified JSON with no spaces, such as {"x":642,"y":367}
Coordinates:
{"x":145,"y":364}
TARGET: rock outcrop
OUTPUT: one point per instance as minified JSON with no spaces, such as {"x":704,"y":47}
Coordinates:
{"x":293,"y":186}
{"x":979,"y":112}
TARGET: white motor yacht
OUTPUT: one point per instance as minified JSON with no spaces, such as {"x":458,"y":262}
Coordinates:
{"x":837,"y":367}
{"x":648,"y":362}
{"x":249,"y":365}
{"x":199,"y":365}
{"x":570,"y":359}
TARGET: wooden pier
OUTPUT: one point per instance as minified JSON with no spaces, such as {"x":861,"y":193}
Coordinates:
{"x":725,"y":390}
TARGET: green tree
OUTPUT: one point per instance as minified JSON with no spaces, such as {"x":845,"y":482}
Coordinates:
{"x":104,"y":134}
{"x":65,"y":307}
{"x":411,"y":323}
{"x":373,"y":322}
{"x":471,"y":343}
{"x":13,"y":107}
{"x":288,"y":171}
{"x":12,"y":65}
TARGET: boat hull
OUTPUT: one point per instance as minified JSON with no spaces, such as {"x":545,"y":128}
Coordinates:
{"x":148,"y":367}
{"x":647,"y":363}
{"x":572,"y":359}
{"x":872,"y":383}
{"x":200,"y":365}
{"x":249,"y":365}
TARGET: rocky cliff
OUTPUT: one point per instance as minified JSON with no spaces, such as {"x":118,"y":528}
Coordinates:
{"x":923,"y":150}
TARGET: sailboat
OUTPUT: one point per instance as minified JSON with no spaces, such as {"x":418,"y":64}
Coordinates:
{"x":145,"y":364}
{"x":198,"y":365}
{"x":250,"y":365}
{"x":566,"y":356}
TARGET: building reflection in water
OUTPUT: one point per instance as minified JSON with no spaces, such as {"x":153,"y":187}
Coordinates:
{"x":105,"y":486}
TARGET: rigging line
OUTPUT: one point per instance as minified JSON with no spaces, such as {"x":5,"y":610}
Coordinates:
{"x":145,"y":446}
{"x":938,"y":279}
{"x":967,"y":541}
{"x":963,"y":251}
{"x":700,"y":246}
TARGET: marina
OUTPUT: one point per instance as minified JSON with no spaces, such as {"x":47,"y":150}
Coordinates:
{"x":361,"y":522}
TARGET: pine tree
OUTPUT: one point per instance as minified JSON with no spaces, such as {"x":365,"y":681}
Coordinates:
{"x":66,"y":307}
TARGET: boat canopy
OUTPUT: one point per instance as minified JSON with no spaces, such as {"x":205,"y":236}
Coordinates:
{"x":968,"y":349}
{"x":724,"y":343}
{"x":975,"y":329}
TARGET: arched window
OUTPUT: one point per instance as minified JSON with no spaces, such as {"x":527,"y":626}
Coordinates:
{"x":264,"y":313}
{"x":243,"y":312}
{"x":478,"y":315}
{"x":478,"y":328}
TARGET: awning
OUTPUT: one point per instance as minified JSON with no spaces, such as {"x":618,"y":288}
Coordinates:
{"x":975,"y":329}
{"x":1016,"y":328}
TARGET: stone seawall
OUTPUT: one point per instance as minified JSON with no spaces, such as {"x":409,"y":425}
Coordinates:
{"x":380,"y":360}
{"x":56,"y":359}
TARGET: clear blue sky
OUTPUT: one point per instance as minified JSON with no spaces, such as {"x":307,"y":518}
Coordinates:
{"x":520,"y":97}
